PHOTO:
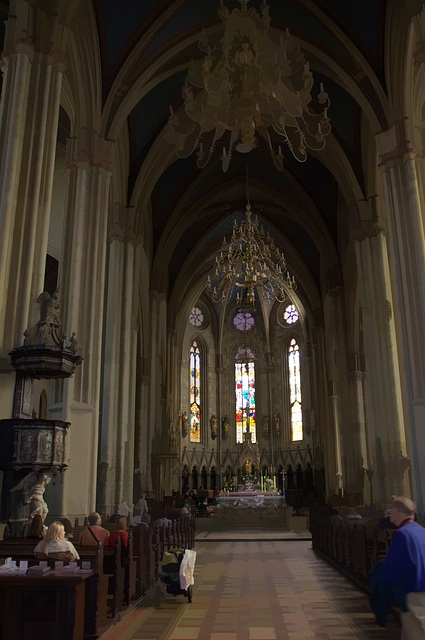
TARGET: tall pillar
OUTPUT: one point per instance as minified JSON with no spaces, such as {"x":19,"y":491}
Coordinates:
{"x":117,"y":437}
{"x":157,"y":401}
{"x":324,"y":420}
{"x":404,"y":180}
{"x":357,"y":454}
{"x":385,"y":410}
{"x":82,"y":276}
{"x":337,"y":486}
{"x":32,"y":82}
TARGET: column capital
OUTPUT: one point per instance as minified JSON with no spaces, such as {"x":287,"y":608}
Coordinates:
{"x":29,"y":24}
{"x":57,"y":60}
{"x":394,"y":144}
{"x":370,"y":229}
{"x":121,"y":228}
{"x":89,"y":149}
{"x":355,"y":376}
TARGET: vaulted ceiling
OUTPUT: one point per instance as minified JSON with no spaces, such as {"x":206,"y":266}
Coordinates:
{"x":146,"y":48}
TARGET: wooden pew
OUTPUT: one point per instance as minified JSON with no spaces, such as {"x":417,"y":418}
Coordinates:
{"x":144,"y":557}
{"x":47,"y":606}
{"x":115,"y":573}
{"x":23,"y":549}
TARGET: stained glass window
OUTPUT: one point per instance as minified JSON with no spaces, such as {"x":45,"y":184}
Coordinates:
{"x":243,"y":321}
{"x":196,"y":317}
{"x":195,"y":393}
{"x":290,"y":315}
{"x":295,"y":391}
{"x":245,"y":400}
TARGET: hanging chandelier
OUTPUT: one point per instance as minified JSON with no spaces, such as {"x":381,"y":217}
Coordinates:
{"x":249,"y":261}
{"x":246,"y":84}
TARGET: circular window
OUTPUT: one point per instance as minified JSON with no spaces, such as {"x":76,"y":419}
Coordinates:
{"x":196,"y":317}
{"x":243,"y":321}
{"x":290,"y":315}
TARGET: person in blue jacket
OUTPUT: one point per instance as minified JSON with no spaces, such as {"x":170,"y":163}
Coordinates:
{"x":404,"y":566}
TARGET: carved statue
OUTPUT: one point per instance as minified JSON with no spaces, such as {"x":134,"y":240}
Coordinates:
{"x":50,"y":307}
{"x":247,"y":468}
{"x":178,"y":422}
{"x":185,"y":425}
{"x":277,"y":423}
{"x":33,"y":487}
{"x":225,"y":426}
{"x":214,"y":425}
{"x":73,"y":343}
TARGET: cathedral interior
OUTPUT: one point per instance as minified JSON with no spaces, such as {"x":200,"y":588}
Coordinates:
{"x":136,"y":353}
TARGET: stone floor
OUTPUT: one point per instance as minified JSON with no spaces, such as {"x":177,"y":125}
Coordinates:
{"x":262,"y":589}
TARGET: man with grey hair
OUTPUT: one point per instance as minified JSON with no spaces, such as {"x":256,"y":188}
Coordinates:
{"x":404,"y":566}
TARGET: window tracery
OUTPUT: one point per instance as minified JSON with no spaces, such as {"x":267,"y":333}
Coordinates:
{"x":295,"y":391}
{"x":245,"y":400}
{"x":195,"y":393}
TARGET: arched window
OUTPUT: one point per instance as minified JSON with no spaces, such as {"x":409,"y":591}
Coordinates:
{"x":295,"y":391}
{"x":195,"y":393}
{"x":245,"y":400}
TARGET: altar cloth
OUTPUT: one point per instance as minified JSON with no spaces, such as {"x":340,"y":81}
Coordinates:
{"x":249,"y":502}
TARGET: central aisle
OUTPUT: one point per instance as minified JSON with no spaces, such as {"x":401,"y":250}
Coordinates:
{"x":251,"y":590}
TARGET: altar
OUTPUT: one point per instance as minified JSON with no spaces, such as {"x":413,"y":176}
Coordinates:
{"x":253,"y":508}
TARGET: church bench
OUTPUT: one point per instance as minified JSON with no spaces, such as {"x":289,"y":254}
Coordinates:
{"x":353,"y":548}
{"x":144,"y":557}
{"x":179,"y":533}
{"x":23,"y":549}
{"x":47,"y":606}
{"x":94,"y":614}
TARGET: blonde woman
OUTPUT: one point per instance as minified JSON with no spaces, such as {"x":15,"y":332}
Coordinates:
{"x":55,"y":546}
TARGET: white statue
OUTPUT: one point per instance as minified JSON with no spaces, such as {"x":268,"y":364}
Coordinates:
{"x":33,"y":487}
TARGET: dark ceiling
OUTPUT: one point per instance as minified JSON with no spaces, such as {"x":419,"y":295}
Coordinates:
{"x":333,"y":27}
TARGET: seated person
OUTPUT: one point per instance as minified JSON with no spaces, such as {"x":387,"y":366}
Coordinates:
{"x":36,"y":530}
{"x":121,"y":510}
{"x":54,"y":546}
{"x":185,"y":510}
{"x":94,"y":533}
{"x":385,"y":522}
{"x":144,"y":520}
{"x":120,"y":532}
{"x":351,"y":515}
{"x":163,"y":520}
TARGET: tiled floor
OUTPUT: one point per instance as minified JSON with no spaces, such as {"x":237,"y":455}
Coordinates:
{"x":257,"y":590}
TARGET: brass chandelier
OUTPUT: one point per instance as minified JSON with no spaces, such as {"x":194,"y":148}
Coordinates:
{"x":244,"y":85}
{"x":249,"y":261}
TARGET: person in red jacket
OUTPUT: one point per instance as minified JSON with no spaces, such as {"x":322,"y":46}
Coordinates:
{"x":120,"y":532}
{"x":94,"y":533}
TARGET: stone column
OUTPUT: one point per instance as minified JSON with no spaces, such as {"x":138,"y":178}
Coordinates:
{"x":117,"y":439}
{"x":219,"y":360}
{"x":32,"y":81}
{"x":404,"y":180}
{"x":143,"y":436}
{"x":82,"y":276}
{"x":324,"y":425}
{"x":385,"y":411}
{"x":157,"y":401}
{"x":356,"y":450}
{"x":337,"y":486}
